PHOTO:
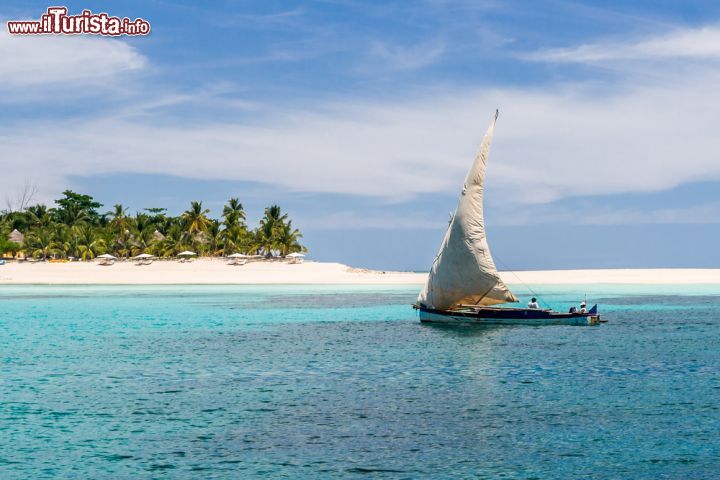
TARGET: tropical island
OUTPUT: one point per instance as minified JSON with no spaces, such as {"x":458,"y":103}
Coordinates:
{"x":69,"y":242}
{"x":72,"y":242}
{"x":74,"y":229}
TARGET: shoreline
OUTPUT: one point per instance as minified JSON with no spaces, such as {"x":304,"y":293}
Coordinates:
{"x":217,"y":272}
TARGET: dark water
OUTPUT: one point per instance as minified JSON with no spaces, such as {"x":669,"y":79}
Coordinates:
{"x":342,"y":382}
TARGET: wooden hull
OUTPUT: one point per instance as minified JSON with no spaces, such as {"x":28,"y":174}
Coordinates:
{"x":505,"y":316}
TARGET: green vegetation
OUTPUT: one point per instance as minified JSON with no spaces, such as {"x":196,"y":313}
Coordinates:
{"x":76,"y":228}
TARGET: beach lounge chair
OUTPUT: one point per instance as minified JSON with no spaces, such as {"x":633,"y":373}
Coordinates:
{"x":295,"y":257}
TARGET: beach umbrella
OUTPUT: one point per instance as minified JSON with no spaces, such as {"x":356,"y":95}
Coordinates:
{"x":107,"y":256}
{"x":237,"y":255}
{"x":294,"y":255}
{"x":143,"y":256}
{"x":186,"y":253}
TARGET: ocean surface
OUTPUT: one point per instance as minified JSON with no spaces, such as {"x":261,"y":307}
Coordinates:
{"x":343,"y":382}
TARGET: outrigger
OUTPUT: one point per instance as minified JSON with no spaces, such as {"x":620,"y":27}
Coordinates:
{"x":464,"y":284}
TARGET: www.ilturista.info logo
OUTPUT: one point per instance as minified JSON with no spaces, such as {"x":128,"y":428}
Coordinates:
{"x":57,"y":21}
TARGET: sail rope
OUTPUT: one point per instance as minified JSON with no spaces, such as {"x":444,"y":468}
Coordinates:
{"x":533,"y":292}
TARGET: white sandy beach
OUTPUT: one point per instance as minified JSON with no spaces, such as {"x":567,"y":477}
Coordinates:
{"x":199,"y":271}
{"x":216,"y":271}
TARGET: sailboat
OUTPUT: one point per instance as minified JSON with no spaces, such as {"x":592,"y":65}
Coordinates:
{"x":464,"y":285}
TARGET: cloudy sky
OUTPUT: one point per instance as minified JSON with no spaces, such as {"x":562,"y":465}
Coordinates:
{"x":361,"y":117}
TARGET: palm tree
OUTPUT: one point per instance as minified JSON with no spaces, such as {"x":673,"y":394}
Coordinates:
{"x":172,"y":243}
{"x":74,"y":228}
{"x":106,"y":240}
{"x":65,"y":240}
{"x":119,"y":218}
{"x":254,"y":244}
{"x":214,"y":238}
{"x":235,"y":240}
{"x":142,"y":222}
{"x":38,"y":216}
{"x":265,"y":239}
{"x":287,"y":240}
{"x":274,"y":214}
{"x":233,"y":213}
{"x":120,"y":242}
{"x":72,"y":215}
{"x":88,"y":244}
{"x":234,"y":235}
{"x":270,"y":226}
{"x":164,"y":223}
{"x":41,"y":243}
{"x":143,"y":241}
{"x":195,"y":219}
{"x":121,"y":245}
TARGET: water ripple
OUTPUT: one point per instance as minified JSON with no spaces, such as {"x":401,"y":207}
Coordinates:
{"x":330,"y":382}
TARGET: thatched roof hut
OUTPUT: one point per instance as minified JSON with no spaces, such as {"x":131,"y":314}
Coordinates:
{"x":158,"y":236}
{"x":16,"y":237}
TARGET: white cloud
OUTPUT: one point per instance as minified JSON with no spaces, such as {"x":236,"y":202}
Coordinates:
{"x":699,"y":43}
{"x":597,"y":214}
{"x":703,"y":213}
{"x":407,"y":57}
{"x":30,"y":61}
{"x":551,"y":143}
{"x":548,"y":144}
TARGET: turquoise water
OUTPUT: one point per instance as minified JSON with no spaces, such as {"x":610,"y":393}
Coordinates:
{"x":342,"y":382}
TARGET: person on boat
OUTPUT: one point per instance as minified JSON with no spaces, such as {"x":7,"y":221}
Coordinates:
{"x":582,"y":308}
{"x":533,"y":303}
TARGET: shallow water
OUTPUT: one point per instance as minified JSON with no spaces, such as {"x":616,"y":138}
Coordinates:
{"x":330,"y":381}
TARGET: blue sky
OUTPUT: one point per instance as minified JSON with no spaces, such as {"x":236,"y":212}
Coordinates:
{"x":361,"y":118}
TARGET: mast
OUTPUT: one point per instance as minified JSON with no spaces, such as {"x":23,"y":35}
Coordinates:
{"x":464,"y":272}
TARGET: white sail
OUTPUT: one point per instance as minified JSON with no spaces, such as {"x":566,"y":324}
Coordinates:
{"x":463,"y":272}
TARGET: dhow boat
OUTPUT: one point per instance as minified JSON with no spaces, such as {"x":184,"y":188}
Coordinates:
{"x":464,"y":286}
